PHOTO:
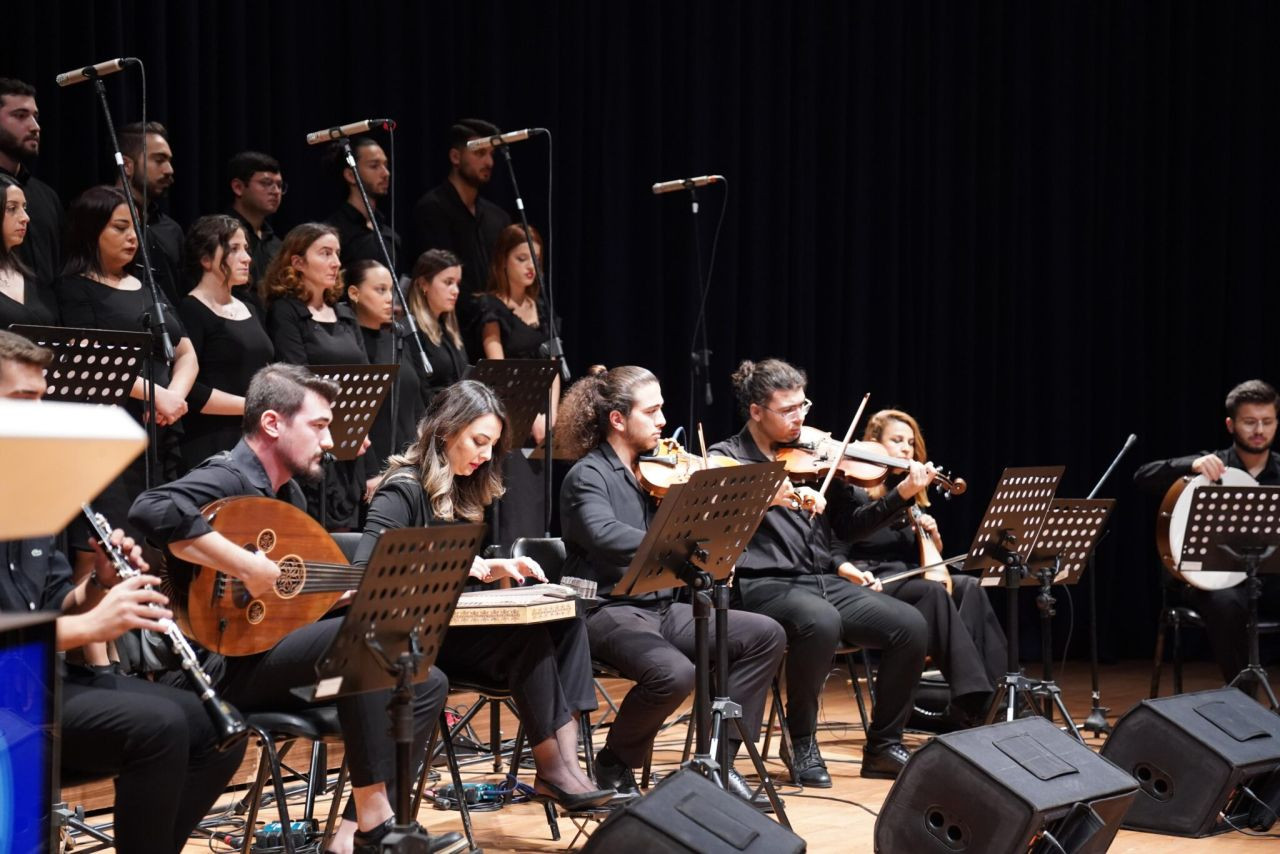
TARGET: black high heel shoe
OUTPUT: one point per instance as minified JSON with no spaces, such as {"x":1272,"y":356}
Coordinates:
{"x":571,"y":802}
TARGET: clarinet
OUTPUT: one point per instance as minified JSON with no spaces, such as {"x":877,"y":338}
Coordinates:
{"x":227,"y":720}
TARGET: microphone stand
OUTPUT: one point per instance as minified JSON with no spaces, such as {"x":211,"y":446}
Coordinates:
{"x":700,"y":358}
{"x":555,"y":350}
{"x":395,"y":284}
{"x":155,"y":317}
{"x":1096,"y":722}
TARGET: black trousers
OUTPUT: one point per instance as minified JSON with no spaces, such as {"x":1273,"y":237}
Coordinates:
{"x":547,"y":668}
{"x":263,"y":682}
{"x":820,"y":611}
{"x":654,"y":648}
{"x":965,"y":638}
{"x":160,"y":744}
{"x":1226,"y":616}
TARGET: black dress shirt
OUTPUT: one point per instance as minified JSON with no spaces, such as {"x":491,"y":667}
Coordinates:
{"x":794,"y":542}
{"x":36,"y":576}
{"x":358,"y":241}
{"x":1158,"y":476}
{"x":442,"y":221}
{"x":261,"y":251}
{"x":40,"y":249}
{"x":164,"y":243}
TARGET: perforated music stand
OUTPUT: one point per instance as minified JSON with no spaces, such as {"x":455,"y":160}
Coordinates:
{"x":1230,"y":528}
{"x":363,"y":388}
{"x":698,"y":533}
{"x":392,"y":633}
{"x":90,"y":365}
{"x":1067,"y":539}
{"x":1001,"y":548}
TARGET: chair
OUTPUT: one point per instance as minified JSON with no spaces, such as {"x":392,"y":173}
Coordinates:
{"x":777,"y":709}
{"x":348,"y":541}
{"x":71,"y":820}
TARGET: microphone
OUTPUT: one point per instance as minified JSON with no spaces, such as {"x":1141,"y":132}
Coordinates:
{"x":89,"y":72}
{"x":319,"y":136}
{"x":503,"y":138}
{"x":685,"y":184}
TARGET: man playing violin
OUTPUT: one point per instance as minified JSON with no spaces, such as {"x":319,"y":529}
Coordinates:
{"x":615,"y":417}
{"x":787,"y":572}
{"x":966,"y":641}
{"x":1252,"y":409}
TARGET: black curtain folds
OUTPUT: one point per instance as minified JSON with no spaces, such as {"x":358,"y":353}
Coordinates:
{"x":1037,"y":226}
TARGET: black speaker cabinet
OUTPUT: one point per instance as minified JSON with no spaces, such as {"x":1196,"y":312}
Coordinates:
{"x":1191,"y":754}
{"x":687,"y":813}
{"x":995,"y":789}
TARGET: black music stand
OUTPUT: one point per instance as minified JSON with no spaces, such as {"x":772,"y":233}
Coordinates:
{"x":362,"y":390}
{"x":524,"y":387}
{"x":1230,"y":528}
{"x":1062,"y":551}
{"x":710,"y":519}
{"x":1000,"y":549}
{"x":391,"y":636}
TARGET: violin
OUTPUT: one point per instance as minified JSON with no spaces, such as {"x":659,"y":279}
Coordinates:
{"x":670,"y":463}
{"x":863,"y":463}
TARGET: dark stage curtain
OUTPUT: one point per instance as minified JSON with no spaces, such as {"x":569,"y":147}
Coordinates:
{"x":1037,"y":226}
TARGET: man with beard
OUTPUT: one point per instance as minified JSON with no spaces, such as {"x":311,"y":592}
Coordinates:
{"x":286,"y":431}
{"x":149,"y":186}
{"x":355,"y":231}
{"x":455,"y":217}
{"x":257,"y":189}
{"x":1252,"y":408}
{"x":19,"y":148}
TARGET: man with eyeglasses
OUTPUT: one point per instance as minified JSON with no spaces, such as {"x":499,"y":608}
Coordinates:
{"x":1252,"y":408}
{"x":257,"y":189}
{"x":788,"y":573}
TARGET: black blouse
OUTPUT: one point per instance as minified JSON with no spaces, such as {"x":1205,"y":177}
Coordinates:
{"x":379,"y":346}
{"x":302,"y":340}
{"x":448,"y":360}
{"x":34,"y":310}
{"x":519,"y":339}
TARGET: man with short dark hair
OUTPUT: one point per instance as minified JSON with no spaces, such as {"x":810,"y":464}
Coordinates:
{"x":355,"y":231}
{"x":19,"y":149}
{"x":257,"y":188}
{"x":454,"y":216}
{"x":1252,"y":408}
{"x":164,"y":235}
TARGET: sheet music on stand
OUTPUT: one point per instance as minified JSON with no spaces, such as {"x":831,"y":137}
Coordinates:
{"x":1070,"y":533}
{"x":90,"y":365}
{"x":1012,"y":521}
{"x":1240,"y":517}
{"x":522,"y":385}
{"x":363,"y":390}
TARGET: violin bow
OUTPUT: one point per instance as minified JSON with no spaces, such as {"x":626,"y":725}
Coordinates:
{"x":848,"y":436}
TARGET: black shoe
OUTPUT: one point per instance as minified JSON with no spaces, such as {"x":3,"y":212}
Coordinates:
{"x":613,"y":773}
{"x":744,"y":790}
{"x":370,"y":842}
{"x":807,"y":767}
{"x":885,"y":763}
{"x":576,"y":802}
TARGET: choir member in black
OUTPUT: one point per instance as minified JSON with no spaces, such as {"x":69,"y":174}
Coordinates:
{"x":164,"y":235}
{"x":448,"y":476}
{"x":226,"y":332}
{"x":287,"y":416}
{"x":966,"y":641}
{"x":370,"y":293}
{"x":455,"y":217}
{"x":97,"y":291}
{"x":157,"y":741}
{"x":350,"y":219}
{"x":1251,"y":411}
{"x":616,"y":416}
{"x":257,"y":188}
{"x":513,"y":325}
{"x":19,"y":150}
{"x":433,"y":299}
{"x":22,"y":300}
{"x":788,"y":573}
{"x":308,"y":326}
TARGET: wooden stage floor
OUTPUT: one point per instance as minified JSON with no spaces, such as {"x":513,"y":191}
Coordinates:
{"x":840,"y":819}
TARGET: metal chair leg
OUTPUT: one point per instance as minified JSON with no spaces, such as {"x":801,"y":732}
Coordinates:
{"x":1157,"y":665}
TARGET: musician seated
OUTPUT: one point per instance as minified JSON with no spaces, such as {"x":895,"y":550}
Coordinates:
{"x":157,"y":741}
{"x":448,"y":476}
{"x":966,"y":641}
{"x":616,"y":416}
{"x":286,"y":431}
{"x":1251,"y":412}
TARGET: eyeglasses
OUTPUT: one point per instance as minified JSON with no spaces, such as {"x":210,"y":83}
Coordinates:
{"x":801,"y":409}
{"x":269,"y":184}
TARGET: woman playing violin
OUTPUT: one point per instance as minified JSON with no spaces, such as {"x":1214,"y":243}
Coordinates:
{"x":965,"y":638}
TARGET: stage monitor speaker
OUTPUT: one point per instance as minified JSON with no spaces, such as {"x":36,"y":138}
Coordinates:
{"x":1193,"y":755}
{"x":999,"y":789}
{"x":688,"y":814}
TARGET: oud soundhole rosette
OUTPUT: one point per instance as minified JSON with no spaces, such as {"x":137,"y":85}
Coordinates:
{"x":292,"y":574}
{"x":255,"y":612}
{"x":266,"y":540}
